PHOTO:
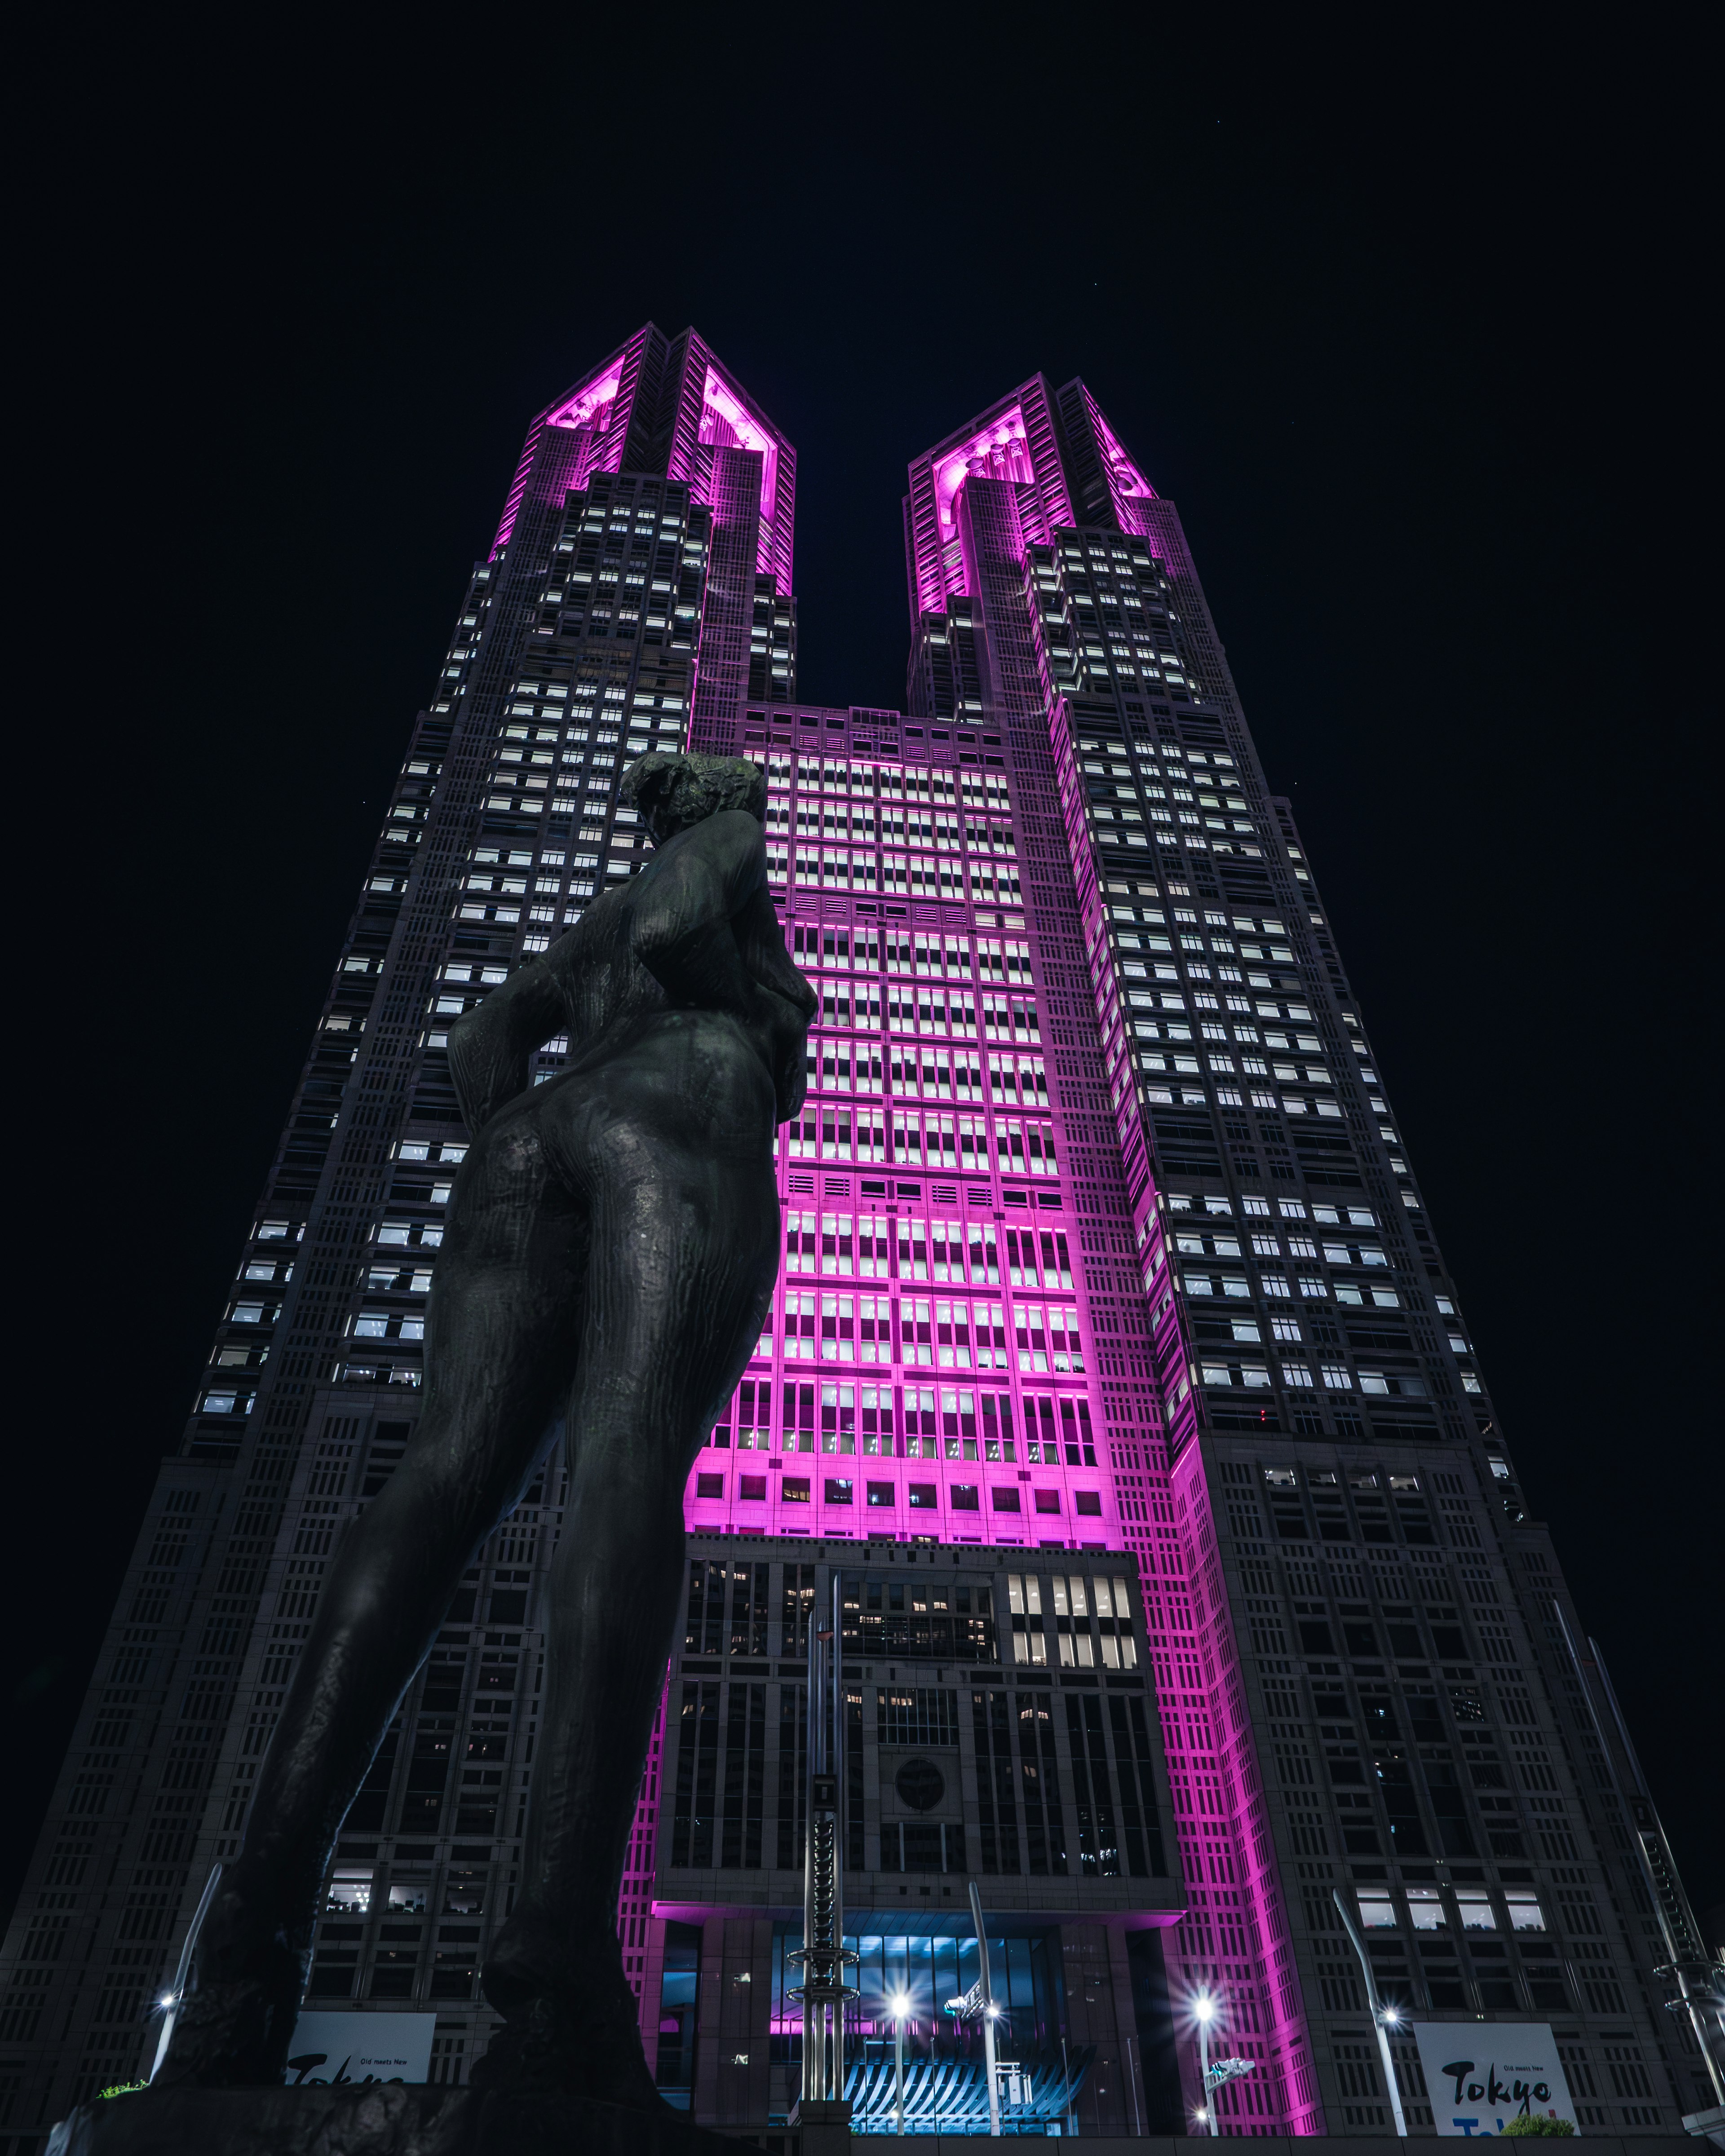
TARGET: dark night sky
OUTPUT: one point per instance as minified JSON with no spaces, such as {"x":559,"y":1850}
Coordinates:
{"x":1410,"y":333}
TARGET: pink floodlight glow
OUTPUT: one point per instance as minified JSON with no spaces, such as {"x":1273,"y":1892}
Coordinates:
{"x":999,"y":451}
{"x":727,"y":423}
{"x":592,"y":406}
{"x":1126,"y":478}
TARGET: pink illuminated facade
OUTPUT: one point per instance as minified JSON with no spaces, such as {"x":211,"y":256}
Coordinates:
{"x":1113,"y":1375}
{"x":1015,"y":442}
{"x":930,"y":1352}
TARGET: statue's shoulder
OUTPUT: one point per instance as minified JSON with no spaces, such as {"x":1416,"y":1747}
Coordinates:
{"x":730,"y":840}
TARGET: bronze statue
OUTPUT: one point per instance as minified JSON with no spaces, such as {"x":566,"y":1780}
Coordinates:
{"x":612,"y":1243}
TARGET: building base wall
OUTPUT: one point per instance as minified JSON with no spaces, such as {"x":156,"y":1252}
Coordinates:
{"x":391,"y":2119}
{"x":946,"y":2144}
{"x":428,"y":2120}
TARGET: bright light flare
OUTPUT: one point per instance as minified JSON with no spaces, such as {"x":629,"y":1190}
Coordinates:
{"x":1204,"y":2007}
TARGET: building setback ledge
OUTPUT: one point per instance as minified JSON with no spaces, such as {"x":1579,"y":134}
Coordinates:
{"x":892,"y":1915}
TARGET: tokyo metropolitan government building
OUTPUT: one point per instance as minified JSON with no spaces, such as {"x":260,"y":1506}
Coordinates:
{"x":1114,"y":1377}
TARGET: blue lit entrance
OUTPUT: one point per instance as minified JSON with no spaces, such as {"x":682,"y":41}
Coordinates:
{"x":945,"y":2088}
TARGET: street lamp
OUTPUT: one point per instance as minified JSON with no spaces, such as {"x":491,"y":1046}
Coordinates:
{"x":1385,"y":2016}
{"x":990,"y":2010}
{"x":978,"y":2004}
{"x":901,"y":2006}
{"x":1203,"y":2010}
{"x":172,"y":2001}
{"x":1228,"y":2070}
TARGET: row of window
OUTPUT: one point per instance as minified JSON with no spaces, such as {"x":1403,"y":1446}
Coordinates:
{"x":1331,"y":1377}
{"x":1430,"y":1909}
{"x":915,"y":1496}
{"x":861,"y":947}
{"x":887,"y":781}
{"x":853,"y":1002}
{"x":874,"y":1245}
{"x":911,"y":1333}
{"x":934,"y":878}
{"x":913,"y":1422}
{"x":825,"y":824}
{"x":924,"y":1141}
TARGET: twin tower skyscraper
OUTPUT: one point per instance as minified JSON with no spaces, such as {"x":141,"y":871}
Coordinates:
{"x":1100,"y":1236}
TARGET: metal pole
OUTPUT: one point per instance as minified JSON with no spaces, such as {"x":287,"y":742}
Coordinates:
{"x":898,"y":2069}
{"x":1203,"y":2061}
{"x":1378,"y":2020}
{"x":822,"y":1954}
{"x":811,"y":2009}
{"x":172,"y":2014}
{"x":1066,"y":2074}
{"x":1138,"y":2116}
{"x":835,"y":1767}
{"x":1682,"y":1965}
{"x":981,"y":1943}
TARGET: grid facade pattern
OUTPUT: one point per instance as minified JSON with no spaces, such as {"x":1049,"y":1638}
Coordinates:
{"x":1309,"y":1343}
{"x":950,"y":1343}
{"x":1099,"y":1237}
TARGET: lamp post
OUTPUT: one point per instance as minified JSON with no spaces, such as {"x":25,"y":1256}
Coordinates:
{"x":821,"y":2108}
{"x":1138,"y":2116}
{"x":1698,"y":1981}
{"x":978,"y":2004}
{"x":172,"y":2000}
{"x":1383,"y":2018}
{"x":990,"y":2011}
{"x":1204,"y":2008}
{"x":901,"y":2006}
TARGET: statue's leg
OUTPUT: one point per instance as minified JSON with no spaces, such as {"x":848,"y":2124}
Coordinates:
{"x":501,"y":1337}
{"x":685,"y":1254}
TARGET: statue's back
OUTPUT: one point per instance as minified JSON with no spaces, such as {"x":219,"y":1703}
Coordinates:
{"x":600,"y":979}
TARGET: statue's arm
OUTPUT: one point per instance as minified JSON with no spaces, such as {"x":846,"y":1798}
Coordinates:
{"x":765,"y":957}
{"x":705,"y":928}
{"x":489,"y":1047}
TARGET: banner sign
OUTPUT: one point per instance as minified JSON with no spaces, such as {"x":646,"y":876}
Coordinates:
{"x":1482,"y":2074}
{"x":360,"y":2047}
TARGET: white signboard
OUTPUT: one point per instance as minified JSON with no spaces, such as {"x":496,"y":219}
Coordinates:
{"x":1480,"y":2075}
{"x":360,"y":2047}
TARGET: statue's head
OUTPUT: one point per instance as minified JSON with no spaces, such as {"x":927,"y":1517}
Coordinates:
{"x":673,"y":792}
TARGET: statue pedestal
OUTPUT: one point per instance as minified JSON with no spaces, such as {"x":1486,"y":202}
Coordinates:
{"x":376,"y":2119}
{"x":825,"y":2129}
